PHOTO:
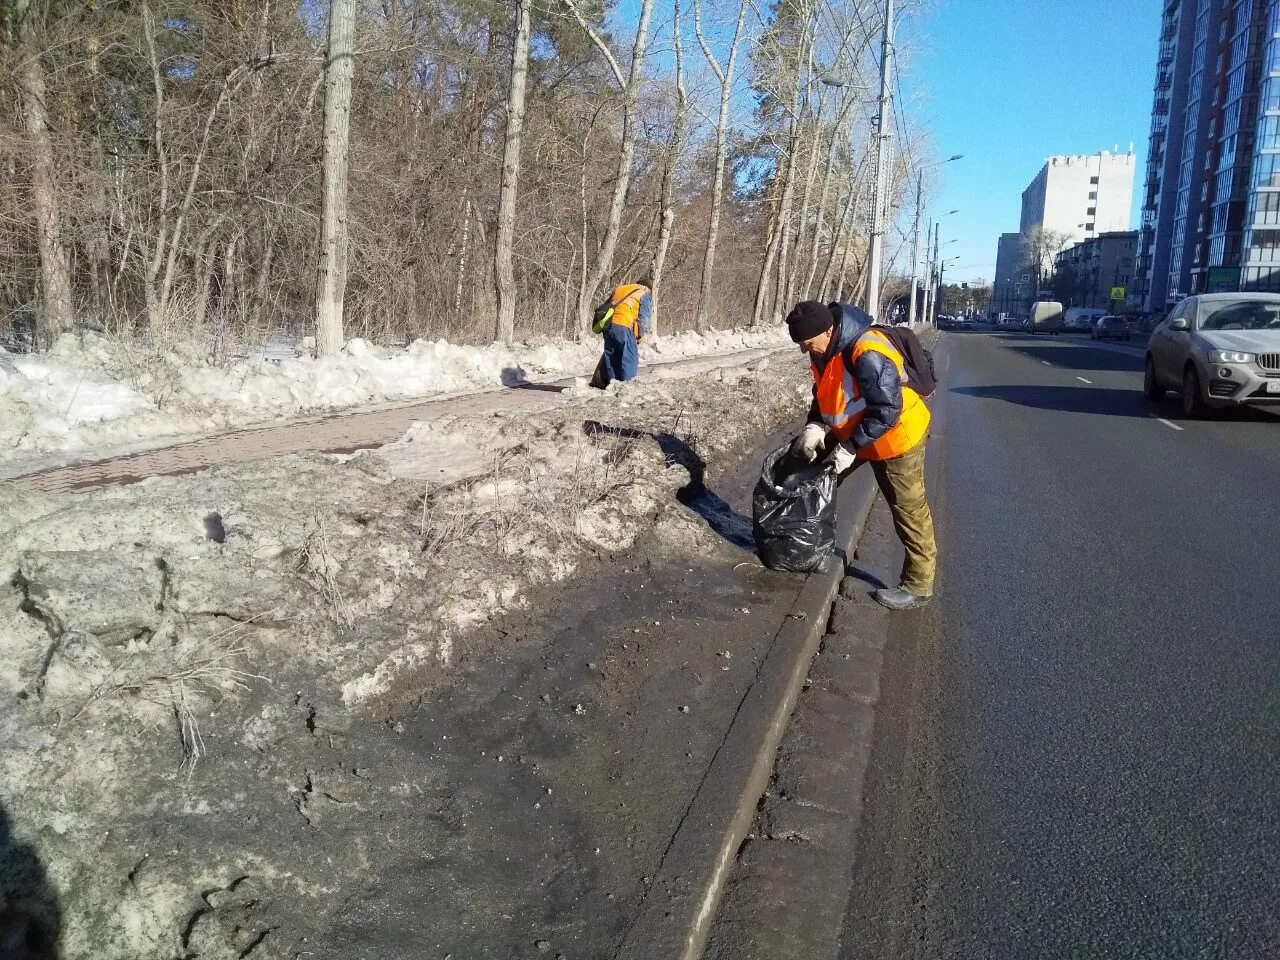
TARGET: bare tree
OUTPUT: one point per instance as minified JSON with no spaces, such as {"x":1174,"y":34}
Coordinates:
{"x":629,"y":85}
{"x":331,"y":270}
{"x":788,"y":159}
{"x":724,"y":73}
{"x":674,"y":147}
{"x":164,"y":164}
{"x":55,"y":269}
{"x":504,"y":274}
{"x":1040,"y":248}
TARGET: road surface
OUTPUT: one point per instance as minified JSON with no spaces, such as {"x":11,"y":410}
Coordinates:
{"x":1078,"y":743}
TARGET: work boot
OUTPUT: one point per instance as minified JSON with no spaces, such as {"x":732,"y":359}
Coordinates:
{"x":895,"y":598}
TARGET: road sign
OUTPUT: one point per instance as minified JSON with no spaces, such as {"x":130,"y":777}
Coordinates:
{"x":1223,"y":280}
{"x":1117,"y":293}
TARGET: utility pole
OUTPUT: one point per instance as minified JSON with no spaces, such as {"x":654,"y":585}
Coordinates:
{"x":933,"y":289}
{"x":876,"y":253}
{"x":915,"y":251}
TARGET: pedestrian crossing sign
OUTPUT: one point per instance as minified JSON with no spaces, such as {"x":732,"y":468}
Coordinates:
{"x":1117,"y":293}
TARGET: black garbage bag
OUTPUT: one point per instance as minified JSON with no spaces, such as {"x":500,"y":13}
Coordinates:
{"x":794,"y":513}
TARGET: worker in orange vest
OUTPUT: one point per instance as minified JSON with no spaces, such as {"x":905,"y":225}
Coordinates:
{"x":864,"y":411}
{"x":629,"y":324}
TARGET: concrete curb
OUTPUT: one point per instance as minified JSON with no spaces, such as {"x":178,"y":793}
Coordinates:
{"x":677,"y":913}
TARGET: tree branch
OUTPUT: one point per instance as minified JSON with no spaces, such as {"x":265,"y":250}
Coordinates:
{"x":600,"y":44}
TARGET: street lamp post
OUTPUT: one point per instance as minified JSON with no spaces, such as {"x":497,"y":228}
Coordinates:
{"x":931,"y":305}
{"x":942,"y":266}
{"x":876,"y":253}
{"x":915,"y":252}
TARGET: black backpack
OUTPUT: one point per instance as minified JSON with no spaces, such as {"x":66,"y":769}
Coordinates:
{"x":921,"y":375}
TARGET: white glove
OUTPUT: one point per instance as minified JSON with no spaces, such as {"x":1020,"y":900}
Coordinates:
{"x":807,"y":443}
{"x":843,"y":458}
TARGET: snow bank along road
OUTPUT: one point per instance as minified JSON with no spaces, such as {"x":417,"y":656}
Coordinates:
{"x":91,"y":392}
{"x":338,"y":706}
{"x":343,"y":432}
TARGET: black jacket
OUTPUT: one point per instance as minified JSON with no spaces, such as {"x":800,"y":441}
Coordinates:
{"x":876,"y":376}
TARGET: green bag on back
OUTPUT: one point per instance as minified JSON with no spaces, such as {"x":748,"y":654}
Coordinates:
{"x":601,"y":318}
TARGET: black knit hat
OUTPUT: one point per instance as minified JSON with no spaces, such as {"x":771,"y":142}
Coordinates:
{"x":808,"y":320}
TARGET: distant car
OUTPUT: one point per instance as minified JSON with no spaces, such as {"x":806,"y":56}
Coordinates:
{"x":1110,"y":327}
{"x":1217,"y":350}
{"x":1080,"y":319}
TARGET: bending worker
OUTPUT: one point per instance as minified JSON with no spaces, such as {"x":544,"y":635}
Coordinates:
{"x":630,"y":324}
{"x":862,"y":405}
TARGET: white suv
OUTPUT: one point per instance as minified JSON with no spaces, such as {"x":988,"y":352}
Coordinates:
{"x":1217,"y":350}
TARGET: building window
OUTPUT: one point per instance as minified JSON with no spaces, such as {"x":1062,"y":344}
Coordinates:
{"x":1092,"y":211}
{"x":1269,"y":133}
{"x":1093,"y":194}
{"x":1089,"y":227}
{"x":1266,"y":171}
{"x":1093,"y":180}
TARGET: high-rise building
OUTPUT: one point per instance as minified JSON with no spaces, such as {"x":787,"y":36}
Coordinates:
{"x":1262,"y":216}
{"x":1081,"y":196}
{"x":1205,"y":171}
{"x":1006,"y":292}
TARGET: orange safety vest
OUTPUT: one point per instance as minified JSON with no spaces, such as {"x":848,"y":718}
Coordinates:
{"x":626,"y":306}
{"x":842,"y":406}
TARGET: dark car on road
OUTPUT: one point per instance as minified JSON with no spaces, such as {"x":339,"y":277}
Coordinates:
{"x":1110,"y":327}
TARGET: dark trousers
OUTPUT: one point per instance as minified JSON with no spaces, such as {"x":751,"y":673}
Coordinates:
{"x":621,"y":360}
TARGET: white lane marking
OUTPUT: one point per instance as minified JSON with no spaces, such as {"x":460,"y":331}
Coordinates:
{"x":1171,"y":426}
{"x":1046,"y":363}
{"x":1083,"y":380}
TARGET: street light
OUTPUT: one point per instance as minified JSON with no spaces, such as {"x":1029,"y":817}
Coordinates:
{"x":942,"y":266}
{"x":915,"y":246}
{"x":931,"y":293}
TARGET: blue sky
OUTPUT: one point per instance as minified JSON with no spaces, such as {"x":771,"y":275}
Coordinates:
{"x":1011,"y":82}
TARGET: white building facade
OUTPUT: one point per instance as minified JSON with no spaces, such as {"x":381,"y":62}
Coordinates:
{"x":1081,"y":196}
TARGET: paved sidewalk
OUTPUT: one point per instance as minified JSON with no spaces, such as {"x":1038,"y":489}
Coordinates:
{"x":337,"y":433}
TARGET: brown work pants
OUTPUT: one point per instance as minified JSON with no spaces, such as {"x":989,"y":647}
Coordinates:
{"x":901,"y":481}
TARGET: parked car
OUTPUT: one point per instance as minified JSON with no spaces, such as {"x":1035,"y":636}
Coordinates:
{"x":1217,"y":350}
{"x":1080,"y":319}
{"x":1046,"y":317}
{"x":1110,"y":327}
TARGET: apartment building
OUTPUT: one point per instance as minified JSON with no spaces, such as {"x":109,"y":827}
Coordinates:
{"x":1210,"y":209}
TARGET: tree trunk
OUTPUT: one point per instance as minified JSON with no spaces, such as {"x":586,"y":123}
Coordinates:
{"x":766,"y":297}
{"x":630,"y":87}
{"x":725,"y":77}
{"x":464,"y":250}
{"x":331,"y":271}
{"x":832,"y":151}
{"x":55,"y":270}
{"x":503,"y":271}
{"x":674,"y":147}
{"x":787,"y":269}
{"x":839,"y":248}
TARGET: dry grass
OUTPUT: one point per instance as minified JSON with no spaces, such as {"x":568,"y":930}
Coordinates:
{"x":177,"y":676}
{"x":318,"y":564}
{"x":522,"y":492}
{"x":147,"y":358}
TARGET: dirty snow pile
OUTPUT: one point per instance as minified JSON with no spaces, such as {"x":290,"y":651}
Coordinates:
{"x":93,"y":391}
{"x":196,"y":670}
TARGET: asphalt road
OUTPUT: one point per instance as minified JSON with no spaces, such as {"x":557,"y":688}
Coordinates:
{"x":1078,"y":742}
